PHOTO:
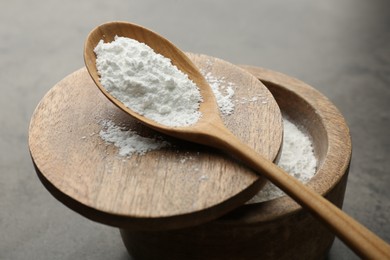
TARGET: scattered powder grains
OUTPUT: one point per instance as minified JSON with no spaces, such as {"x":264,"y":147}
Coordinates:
{"x":297,"y":157}
{"x":129,"y":142}
{"x":223,"y":92}
{"x":147,"y":82}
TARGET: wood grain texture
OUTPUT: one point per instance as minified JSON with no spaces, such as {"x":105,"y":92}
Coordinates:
{"x":279,"y":229}
{"x":361,"y":240}
{"x":276,"y":229}
{"x":183,"y":185}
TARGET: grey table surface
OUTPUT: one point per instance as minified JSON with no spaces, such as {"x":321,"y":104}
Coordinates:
{"x":340,"y":47}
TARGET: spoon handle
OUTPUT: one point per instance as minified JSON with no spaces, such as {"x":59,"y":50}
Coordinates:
{"x":361,"y":240}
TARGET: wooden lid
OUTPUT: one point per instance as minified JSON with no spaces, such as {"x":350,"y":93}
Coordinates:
{"x":179,"y":186}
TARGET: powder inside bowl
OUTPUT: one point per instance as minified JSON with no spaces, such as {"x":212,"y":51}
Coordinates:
{"x":297,"y":159}
{"x":147,"y":82}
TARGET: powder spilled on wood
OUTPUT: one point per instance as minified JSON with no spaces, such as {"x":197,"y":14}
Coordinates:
{"x":223,"y":92}
{"x":297,"y":157}
{"x":127,"y":141}
{"x":130,"y":142}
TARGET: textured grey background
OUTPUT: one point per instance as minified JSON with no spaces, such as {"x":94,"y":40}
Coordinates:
{"x":340,"y":47}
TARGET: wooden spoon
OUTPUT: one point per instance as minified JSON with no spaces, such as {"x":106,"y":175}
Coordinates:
{"x":210,"y":130}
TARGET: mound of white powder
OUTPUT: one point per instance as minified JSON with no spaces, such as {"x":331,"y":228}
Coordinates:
{"x":147,"y":82}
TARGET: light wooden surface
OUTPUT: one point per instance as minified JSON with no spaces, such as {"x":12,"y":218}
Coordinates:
{"x":365,"y":243}
{"x":175,"y":187}
{"x":361,"y":240}
{"x":278,"y":229}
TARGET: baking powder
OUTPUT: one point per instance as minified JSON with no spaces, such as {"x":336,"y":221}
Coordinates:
{"x":147,"y":82}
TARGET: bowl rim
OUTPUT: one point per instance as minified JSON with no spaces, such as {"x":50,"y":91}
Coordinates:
{"x":336,"y":160}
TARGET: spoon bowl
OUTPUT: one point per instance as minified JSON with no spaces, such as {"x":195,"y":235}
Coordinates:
{"x":208,"y":107}
{"x":210,"y":130}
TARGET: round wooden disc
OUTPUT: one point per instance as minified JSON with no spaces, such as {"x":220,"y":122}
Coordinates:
{"x":182,"y":185}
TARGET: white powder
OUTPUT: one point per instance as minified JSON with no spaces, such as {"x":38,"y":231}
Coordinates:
{"x":147,"y":82}
{"x":297,"y":156}
{"x":129,"y":142}
{"x":223,"y":92}
{"x":256,"y":98}
{"x":297,"y":159}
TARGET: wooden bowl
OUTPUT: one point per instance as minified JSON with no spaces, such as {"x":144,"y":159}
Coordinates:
{"x":276,"y":229}
{"x":180,"y":186}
